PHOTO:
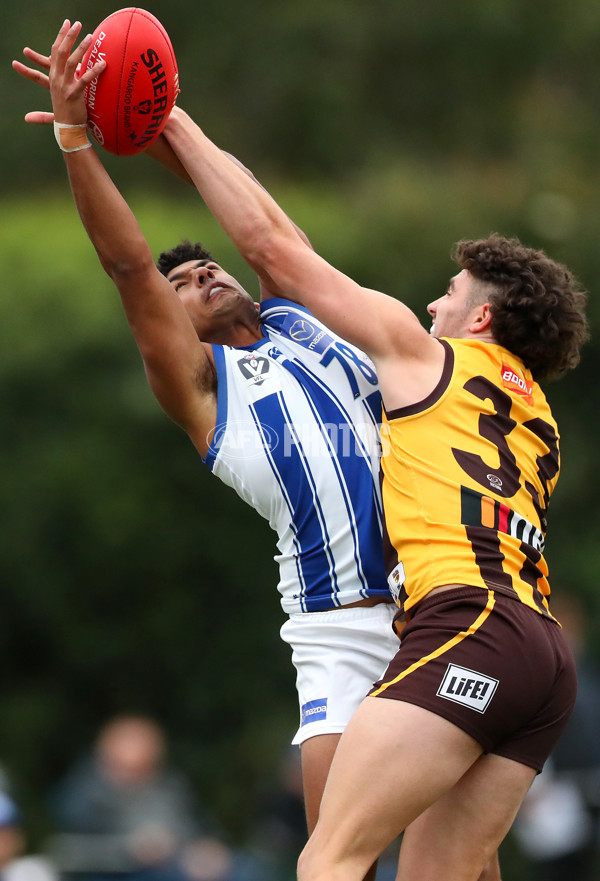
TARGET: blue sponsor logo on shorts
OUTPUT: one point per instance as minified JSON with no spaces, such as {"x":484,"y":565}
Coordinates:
{"x":314,"y":711}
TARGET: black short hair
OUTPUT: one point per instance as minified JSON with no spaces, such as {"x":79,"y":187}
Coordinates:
{"x":538,"y":306}
{"x":182,"y":253}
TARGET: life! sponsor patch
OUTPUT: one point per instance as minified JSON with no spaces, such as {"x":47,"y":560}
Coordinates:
{"x":467,"y":687}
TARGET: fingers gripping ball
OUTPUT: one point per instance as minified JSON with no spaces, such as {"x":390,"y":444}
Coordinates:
{"x":129,"y":103}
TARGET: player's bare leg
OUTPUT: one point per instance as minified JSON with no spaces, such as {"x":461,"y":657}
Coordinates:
{"x":317,"y":755}
{"x":492,"y":870}
{"x":465,"y":826}
{"x":385,"y":773}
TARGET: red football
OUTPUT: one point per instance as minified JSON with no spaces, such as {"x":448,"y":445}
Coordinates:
{"x":129,"y":103}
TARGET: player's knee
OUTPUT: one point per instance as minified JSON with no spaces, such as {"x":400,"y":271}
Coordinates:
{"x":315,"y":864}
{"x":312,"y":866}
{"x":305,"y":864}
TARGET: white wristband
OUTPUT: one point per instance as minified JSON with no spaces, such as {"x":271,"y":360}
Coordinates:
{"x":71,"y":138}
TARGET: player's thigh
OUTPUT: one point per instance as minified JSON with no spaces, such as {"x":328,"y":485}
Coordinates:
{"x":317,"y":755}
{"x":458,"y":834}
{"x":385,"y":772}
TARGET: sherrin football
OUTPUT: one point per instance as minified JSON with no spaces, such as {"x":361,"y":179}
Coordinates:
{"x":129,"y":103}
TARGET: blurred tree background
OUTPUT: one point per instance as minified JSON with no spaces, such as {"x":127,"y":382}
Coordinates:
{"x":130,"y":577}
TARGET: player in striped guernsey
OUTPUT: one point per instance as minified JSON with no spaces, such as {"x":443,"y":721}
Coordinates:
{"x":291,"y":423}
{"x":295,"y":431}
{"x":483,"y":683}
{"x":282,"y":410}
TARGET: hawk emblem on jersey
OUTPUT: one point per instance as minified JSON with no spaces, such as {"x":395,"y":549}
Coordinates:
{"x":254,"y":368}
{"x":302,"y":330}
{"x":516,"y":383}
{"x":396,"y":580}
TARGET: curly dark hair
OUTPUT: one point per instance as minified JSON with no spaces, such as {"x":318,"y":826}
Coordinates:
{"x":182,"y":253}
{"x":537,"y":305}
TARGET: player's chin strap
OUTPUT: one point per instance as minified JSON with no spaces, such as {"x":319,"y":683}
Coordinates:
{"x":71,"y":138}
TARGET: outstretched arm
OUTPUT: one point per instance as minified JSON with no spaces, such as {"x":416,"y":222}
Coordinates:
{"x":380,"y":325}
{"x":160,"y":149}
{"x":176,"y":362}
{"x":287,"y":266}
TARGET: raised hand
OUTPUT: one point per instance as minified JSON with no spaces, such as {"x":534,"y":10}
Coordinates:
{"x":35,"y":76}
{"x":67,"y":87}
{"x":45,"y":61}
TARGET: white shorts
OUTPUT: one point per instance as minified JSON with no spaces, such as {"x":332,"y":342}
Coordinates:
{"x":338,"y":655}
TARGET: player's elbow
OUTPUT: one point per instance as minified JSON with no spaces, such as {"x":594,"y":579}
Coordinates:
{"x":124,"y":268}
{"x":256,"y":240}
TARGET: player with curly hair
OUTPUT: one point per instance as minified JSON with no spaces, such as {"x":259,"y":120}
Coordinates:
{"x":450,"y":738}
{"x":448,"y":741}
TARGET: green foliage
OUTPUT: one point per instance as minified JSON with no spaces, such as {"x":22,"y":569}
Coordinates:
{"x":130,"y":579}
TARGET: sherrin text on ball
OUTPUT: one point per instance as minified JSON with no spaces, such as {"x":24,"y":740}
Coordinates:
{"x":129,"y":103}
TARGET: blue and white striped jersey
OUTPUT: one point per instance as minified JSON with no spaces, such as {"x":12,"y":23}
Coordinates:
{"x":297,"y":437}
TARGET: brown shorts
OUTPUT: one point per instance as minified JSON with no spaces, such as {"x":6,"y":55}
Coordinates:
{"x":492,"y":666}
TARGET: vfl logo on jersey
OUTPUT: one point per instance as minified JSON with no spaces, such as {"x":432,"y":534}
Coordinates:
{"x":466,"y":687}
{"x":302,"y":330}
{"x":313,"y":711}
{"x":516,"y":383}
{"x":254,"y":368}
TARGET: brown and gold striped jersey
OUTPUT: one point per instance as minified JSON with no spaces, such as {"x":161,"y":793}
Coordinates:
{"x":466,"y":478}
